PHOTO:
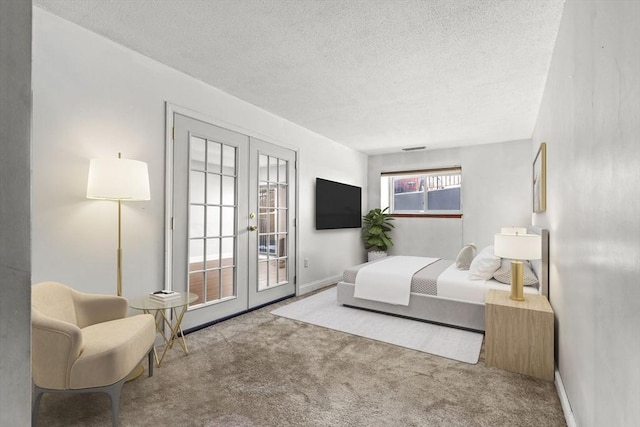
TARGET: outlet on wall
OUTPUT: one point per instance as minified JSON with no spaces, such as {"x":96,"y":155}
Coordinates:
{"x":306,"y":262}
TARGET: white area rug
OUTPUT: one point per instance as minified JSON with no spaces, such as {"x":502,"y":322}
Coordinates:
{"x":322,"y":309}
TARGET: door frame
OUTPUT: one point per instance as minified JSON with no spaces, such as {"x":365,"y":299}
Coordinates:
{"x":170,"y":110}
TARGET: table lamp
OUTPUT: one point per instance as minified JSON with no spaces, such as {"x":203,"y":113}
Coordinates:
{"x":514,"y":244}
{"x":118,"y":179}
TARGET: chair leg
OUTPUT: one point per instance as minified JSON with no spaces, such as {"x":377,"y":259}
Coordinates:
{"x":37,"y":393}
{"x":114,"y":391}
{"x":151,"y":362}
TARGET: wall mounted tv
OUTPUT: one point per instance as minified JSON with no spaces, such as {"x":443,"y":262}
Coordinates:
{"x":337,"y":205}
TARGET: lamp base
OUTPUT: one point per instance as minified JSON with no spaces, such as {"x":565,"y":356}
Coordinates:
{"x":517,"y":279}
{"x":137,"y":372}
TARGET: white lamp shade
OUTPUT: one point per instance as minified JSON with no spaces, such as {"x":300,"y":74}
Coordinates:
{"x":118,"y":179}
{"x":517,"y":246}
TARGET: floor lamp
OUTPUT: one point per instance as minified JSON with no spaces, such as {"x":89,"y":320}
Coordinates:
{"x":118,"y":179}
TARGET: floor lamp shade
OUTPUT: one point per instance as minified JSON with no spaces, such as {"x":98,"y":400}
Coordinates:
{"x":517,"y":247}
{"x":118,"y":179}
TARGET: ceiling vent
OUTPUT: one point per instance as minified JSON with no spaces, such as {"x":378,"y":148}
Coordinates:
{"x":414,"y":148}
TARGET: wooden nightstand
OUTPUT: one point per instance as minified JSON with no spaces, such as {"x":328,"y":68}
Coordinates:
{"x":519,"y":334}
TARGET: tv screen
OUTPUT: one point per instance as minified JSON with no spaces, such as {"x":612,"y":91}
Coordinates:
{"x":337,"y":205}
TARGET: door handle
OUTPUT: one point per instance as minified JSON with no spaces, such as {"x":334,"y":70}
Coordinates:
{"x":253,"y":227}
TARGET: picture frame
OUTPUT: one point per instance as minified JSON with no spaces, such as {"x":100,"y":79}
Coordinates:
{"x":540,"y":180}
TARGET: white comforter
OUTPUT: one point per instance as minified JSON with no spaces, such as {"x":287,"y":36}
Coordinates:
{"x":389,"y":280}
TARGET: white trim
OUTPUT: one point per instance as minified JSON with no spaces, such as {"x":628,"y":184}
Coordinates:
{"x":185,"y":111}
{"x":319,"y":284}
{"x":564,"y":401}
{"x":296,"y":228}
{"x":168,"y":191}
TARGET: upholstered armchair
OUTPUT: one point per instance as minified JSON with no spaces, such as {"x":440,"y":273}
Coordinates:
{"x":85,"y":343}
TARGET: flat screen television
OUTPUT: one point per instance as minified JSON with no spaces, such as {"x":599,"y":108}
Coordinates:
{"x":338,"y":205}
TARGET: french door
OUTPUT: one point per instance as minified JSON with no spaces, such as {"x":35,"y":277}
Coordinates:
{"x":271,"y":222}
{"x":233,"y":237}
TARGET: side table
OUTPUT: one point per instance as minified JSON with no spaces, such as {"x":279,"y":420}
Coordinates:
{"x":519,"y":334}
{"x":177,"y":307}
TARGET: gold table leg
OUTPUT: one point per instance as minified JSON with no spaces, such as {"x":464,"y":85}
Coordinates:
{"x":175,"y":328}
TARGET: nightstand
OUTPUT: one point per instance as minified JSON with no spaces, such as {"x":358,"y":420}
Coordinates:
{"x":519,"y":334}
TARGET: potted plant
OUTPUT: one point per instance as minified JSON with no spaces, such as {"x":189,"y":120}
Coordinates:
{"x":377,"y":223}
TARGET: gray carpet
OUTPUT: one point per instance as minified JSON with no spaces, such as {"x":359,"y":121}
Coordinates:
{"x":263,"y":370}
{"x":322,"y":309}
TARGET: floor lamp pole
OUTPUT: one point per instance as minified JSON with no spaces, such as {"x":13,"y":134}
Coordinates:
{"x":119,"y":273}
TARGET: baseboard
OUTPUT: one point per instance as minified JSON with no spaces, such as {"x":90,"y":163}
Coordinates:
{"x":564,"y":401}
{"x":318,"y":284}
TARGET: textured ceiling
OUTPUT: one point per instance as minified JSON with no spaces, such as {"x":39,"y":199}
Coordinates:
{"x":376,"y":75}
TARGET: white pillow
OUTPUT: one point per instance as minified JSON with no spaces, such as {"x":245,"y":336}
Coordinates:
{"x":465,"y":256}
{"x":484,"y":265}
{"x":503,"y":274}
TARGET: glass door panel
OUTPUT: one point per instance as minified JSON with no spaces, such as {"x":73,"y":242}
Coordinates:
{"x":212,"y":163}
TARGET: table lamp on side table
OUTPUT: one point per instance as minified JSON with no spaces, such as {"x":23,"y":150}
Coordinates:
{"x":512,"y":243}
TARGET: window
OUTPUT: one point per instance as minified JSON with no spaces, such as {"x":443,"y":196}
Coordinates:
{"x":429,"y":192}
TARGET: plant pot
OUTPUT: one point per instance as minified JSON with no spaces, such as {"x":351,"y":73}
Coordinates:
{"x":374,"y":255}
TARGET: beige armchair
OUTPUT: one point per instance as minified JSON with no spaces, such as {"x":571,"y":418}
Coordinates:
{"x":84,"y":343}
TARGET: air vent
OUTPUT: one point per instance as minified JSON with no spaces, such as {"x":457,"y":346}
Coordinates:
{"x":414,"y":148}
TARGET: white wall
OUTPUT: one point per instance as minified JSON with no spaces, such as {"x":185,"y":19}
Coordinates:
{"x":496,"y":192}
{"x":15,"y":213}
{"x":328,"y":249}
{"x":590,"y":120}
{"x":94,"y":98}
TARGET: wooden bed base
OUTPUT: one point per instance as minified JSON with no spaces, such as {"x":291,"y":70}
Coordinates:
{"x":462,"y":314}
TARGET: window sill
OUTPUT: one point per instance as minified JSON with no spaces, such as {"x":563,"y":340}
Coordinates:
{"x":420,"y":215}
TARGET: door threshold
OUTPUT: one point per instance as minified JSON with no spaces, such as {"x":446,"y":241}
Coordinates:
{"x":231,"y":316}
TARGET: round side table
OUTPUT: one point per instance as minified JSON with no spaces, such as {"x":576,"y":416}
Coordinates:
{"x":177,"y":307}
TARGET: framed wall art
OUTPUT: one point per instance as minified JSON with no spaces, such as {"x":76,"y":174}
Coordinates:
{"x":540,"y":180}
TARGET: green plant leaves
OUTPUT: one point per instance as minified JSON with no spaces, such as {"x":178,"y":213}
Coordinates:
{"x":376,"y":225}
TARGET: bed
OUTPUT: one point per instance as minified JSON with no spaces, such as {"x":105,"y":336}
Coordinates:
{"x":441,"y":293}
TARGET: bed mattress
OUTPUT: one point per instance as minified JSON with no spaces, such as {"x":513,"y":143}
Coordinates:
{"x":444,"y":280}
